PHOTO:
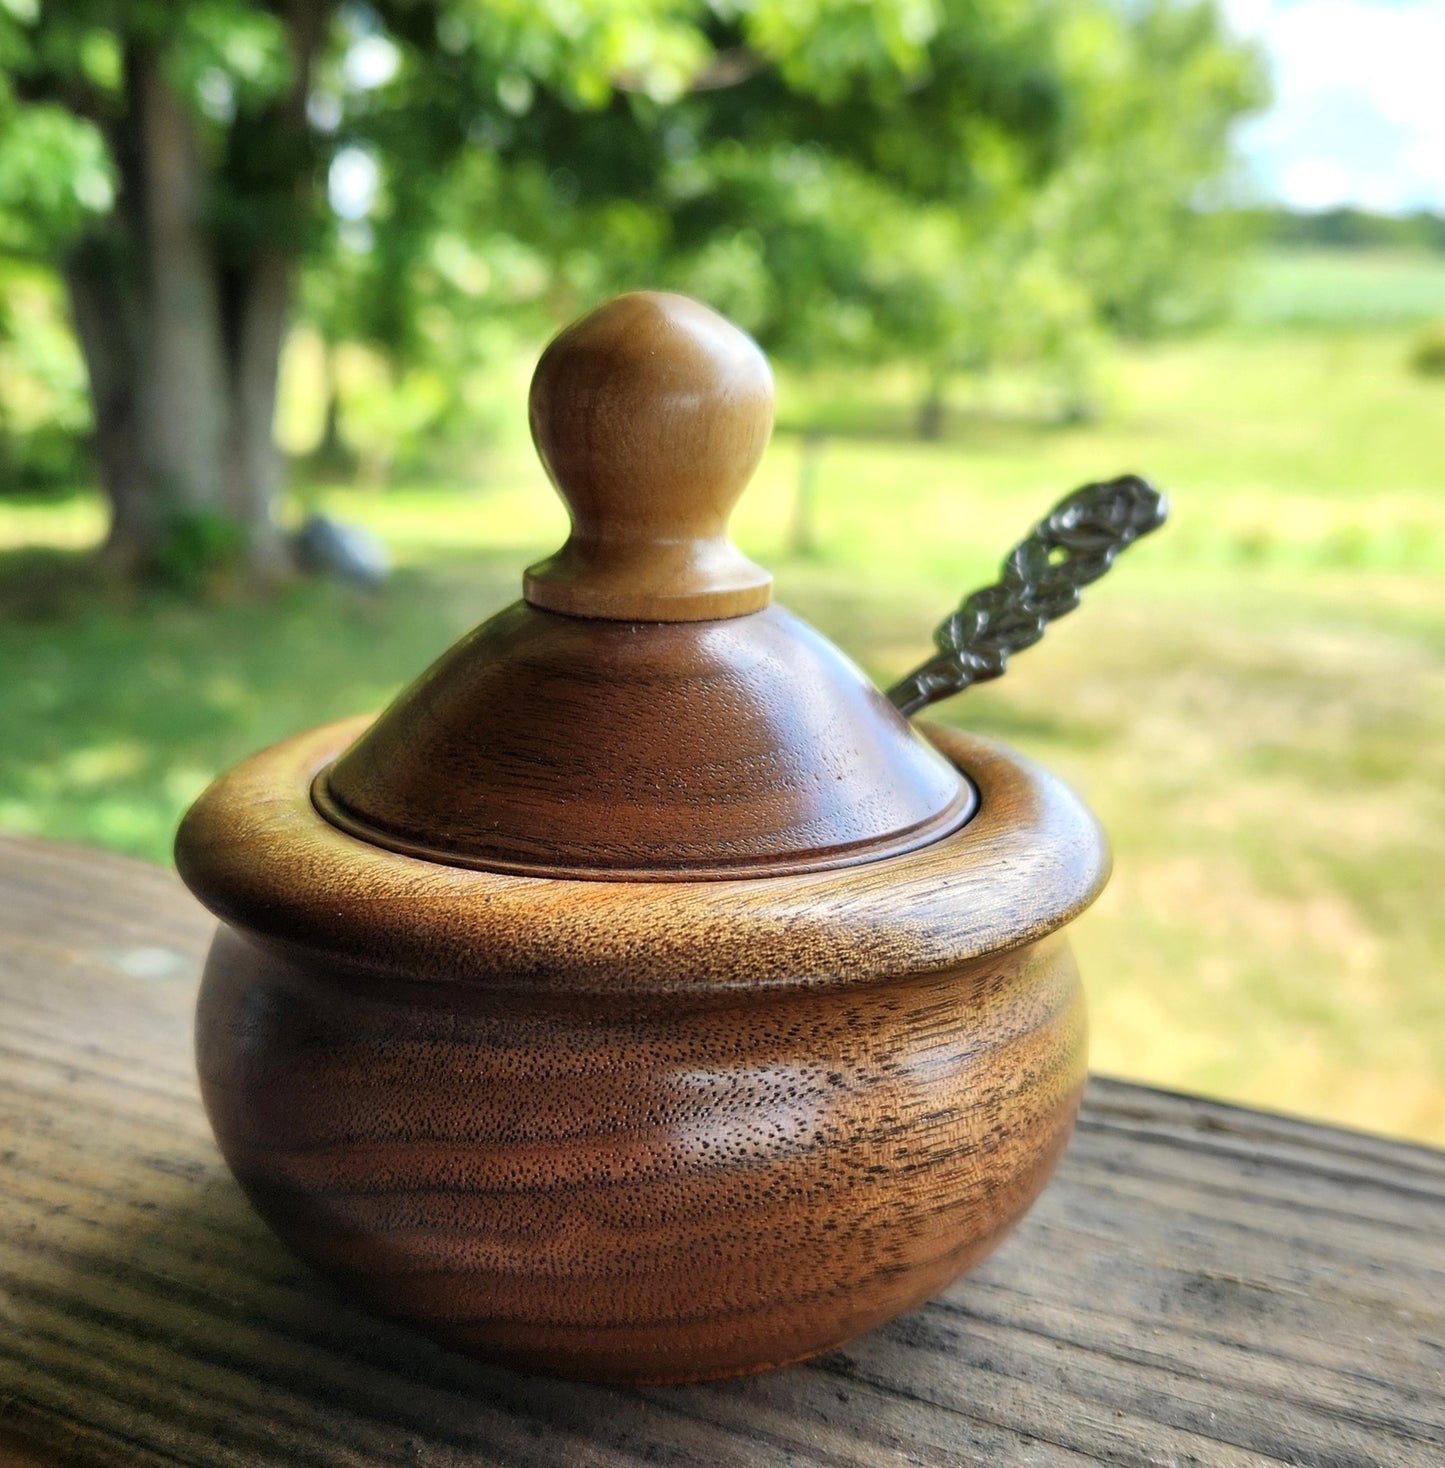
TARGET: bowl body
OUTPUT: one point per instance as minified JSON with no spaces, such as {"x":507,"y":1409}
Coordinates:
{"x":645,"y":1190}
{"x":640,"y":1132}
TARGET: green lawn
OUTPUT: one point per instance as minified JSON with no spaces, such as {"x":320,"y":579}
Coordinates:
{"x":1254,"y":702}
{"x":1328,"y":288}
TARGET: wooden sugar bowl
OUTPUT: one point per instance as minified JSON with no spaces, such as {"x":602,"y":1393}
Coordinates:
{"x":641,"y":997}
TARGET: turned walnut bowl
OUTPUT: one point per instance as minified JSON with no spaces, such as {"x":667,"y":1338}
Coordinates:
{"x":642,"y":997}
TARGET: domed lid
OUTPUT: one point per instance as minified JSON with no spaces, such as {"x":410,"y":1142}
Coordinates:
{"x":645,"y":713}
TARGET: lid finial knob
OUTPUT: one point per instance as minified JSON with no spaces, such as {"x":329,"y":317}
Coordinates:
{"x":650,"y":416}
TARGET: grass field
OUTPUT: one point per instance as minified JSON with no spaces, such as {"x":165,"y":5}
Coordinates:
{"x":1331,"y":288}
{"x":1254,"y":702}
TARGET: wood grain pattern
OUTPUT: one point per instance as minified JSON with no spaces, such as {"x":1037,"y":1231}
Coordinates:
{"x":663,"y":1179}
{"x":1200,"y":1285}
{"x":643,"y":714}
{"x":651,"y":414}
{"x":255,"y":851}
{"x":635,"y":1190}
{"x":560,"y":746}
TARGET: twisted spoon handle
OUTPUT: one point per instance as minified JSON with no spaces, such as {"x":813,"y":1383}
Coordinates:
{"x":1041,"y":580}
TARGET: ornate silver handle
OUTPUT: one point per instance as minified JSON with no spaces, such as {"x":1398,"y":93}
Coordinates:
{"x":1041,"y":580}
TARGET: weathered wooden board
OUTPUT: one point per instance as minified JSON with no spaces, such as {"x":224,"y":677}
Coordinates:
{"x":1200,"y":1285}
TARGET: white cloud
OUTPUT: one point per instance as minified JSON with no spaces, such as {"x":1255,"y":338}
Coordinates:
{"x":1359,"y":112}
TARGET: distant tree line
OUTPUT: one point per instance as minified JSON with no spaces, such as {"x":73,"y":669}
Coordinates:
{"x":1350,"y":229}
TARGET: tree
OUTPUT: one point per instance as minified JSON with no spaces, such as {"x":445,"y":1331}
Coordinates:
{"x":175,"y":160}
{"x":216,"y":121}
{"x":1032,"y":183}
{"x":749,"y":179}
{"x":1094,"y":219}
{"x":180,"y":280}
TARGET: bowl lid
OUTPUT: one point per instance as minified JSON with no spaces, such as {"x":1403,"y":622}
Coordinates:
{"x":645,"y":712}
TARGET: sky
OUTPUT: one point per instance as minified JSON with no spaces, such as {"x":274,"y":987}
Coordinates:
{"x":1359,"y":110}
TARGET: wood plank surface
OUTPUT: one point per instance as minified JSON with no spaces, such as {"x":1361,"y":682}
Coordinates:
{"x":1201,"y":1285}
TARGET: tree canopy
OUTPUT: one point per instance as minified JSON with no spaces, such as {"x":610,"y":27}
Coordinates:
{"x":957,"y":182}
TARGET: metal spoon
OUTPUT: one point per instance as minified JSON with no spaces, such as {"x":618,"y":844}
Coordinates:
{"x":1040,"y":581}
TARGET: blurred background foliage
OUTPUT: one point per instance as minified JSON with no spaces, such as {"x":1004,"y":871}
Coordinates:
{"x":994,"y":250}
{"x":956,"y":184}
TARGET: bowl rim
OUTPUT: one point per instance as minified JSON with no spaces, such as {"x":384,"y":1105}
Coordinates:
{"x":257,"y":852}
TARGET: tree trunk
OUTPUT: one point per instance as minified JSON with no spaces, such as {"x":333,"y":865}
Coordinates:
{"x":105,"y":307}
{"x":331,"y":452}
{"x":803,"y":532}
{"x":253,"y":463}
{"x":184,"y":381}
{"x":182,"y":331}
{"x":933,"y":407}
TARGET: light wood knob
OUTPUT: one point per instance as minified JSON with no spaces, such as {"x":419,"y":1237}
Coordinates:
{"x":650,"y":415}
